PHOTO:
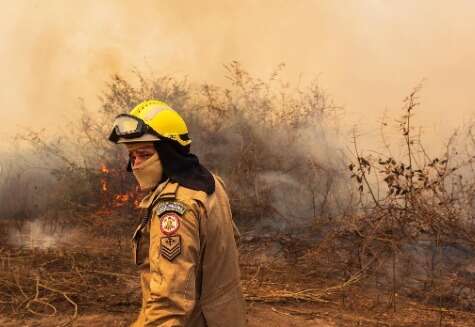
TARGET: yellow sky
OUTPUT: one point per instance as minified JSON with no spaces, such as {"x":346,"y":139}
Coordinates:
{"x":368,"y":54}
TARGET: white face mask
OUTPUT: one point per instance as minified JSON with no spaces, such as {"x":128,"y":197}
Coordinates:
{"x":149,"y":173}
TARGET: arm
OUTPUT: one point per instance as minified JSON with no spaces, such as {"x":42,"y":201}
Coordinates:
{"x":174,"y":261}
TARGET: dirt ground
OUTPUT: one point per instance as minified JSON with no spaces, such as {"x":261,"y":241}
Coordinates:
{"x":289,"y":315}
{"x":97,"y":285}
{"x":258,"y":315}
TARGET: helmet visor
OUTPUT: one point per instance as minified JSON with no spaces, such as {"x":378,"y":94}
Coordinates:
{"x":127,"y":125}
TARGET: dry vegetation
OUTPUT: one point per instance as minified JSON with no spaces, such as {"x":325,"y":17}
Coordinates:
{"x":393,"y":247}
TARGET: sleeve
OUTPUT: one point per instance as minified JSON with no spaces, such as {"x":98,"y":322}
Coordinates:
{"x":174,"y":260}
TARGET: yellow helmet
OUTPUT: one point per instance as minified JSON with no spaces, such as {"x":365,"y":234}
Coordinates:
{"x":150,"y":120}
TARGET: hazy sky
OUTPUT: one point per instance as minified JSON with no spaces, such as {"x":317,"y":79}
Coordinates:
{"x":368,"y":54}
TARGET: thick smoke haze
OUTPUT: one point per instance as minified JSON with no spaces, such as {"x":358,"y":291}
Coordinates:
{"x":367,"y":54}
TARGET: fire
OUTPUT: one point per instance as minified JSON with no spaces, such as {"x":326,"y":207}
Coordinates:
{"x":110,"y":199}
{"x":104,"y":169}
{"x":104,"y":185}
{"x":122,"y":197}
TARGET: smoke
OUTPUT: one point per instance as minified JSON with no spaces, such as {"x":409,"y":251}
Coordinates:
{"x":368,"y":54}
{"x":34,"y":235}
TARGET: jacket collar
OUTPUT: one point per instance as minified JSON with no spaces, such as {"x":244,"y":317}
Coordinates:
{"x":166,"y":189}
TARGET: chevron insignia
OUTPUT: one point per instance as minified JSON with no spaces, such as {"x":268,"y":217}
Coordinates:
{"x":170,"y":247}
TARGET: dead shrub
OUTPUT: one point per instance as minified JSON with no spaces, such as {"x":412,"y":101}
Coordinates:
{"x":420,"y":227}
{"x":261,"y":136}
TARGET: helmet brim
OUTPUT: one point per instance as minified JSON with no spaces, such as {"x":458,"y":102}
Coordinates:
{"x":143,"y":138}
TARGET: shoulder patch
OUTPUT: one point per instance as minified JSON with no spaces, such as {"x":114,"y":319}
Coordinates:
{"x":170,"y":206}
{"x":169,"y":223}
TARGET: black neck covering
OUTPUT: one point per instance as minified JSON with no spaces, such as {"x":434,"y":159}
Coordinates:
{"x":183,"y":167}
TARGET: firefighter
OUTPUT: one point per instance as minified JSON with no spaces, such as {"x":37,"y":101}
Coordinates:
{"x":185,"y":246}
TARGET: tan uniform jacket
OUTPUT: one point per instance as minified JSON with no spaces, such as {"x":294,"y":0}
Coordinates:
{"x":190,"y":275}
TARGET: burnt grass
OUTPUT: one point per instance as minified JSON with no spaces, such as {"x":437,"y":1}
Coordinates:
{"x":298,"y":274}
{"x":95,"y":281}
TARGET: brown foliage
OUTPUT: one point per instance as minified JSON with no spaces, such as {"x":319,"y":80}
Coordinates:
{"x":412,"y":233}
{"x":421,"y":229}
{"x":258,"y":135}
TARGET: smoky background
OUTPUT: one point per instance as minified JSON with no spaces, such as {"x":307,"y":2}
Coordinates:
{"x":366,"y":54}
{"x":323,"y":151}
{"x":259,"y":135}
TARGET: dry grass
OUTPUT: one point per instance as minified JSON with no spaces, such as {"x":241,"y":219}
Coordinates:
{"x":55,"y":287}
{"x":404,"y":229}
{"x":66,"y":282}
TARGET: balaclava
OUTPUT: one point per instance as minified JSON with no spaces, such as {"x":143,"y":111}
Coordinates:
{"x":149,"y":172}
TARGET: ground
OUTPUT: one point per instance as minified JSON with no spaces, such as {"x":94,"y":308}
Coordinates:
{"x":260,"y":315}
{"x":97,"y":285}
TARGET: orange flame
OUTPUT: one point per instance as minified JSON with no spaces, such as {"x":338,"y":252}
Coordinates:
{"x":111,"y":200}
{"x":122,"y":197}
{"x":104,"y":169}
{"x":104,"y":185}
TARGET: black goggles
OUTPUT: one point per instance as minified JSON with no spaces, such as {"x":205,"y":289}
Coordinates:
{"x":129,"y":127}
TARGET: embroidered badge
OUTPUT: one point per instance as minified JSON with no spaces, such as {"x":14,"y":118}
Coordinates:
{"x":169,"y":223}
{"x":170,"y":247}
{"x":171,"y":206}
